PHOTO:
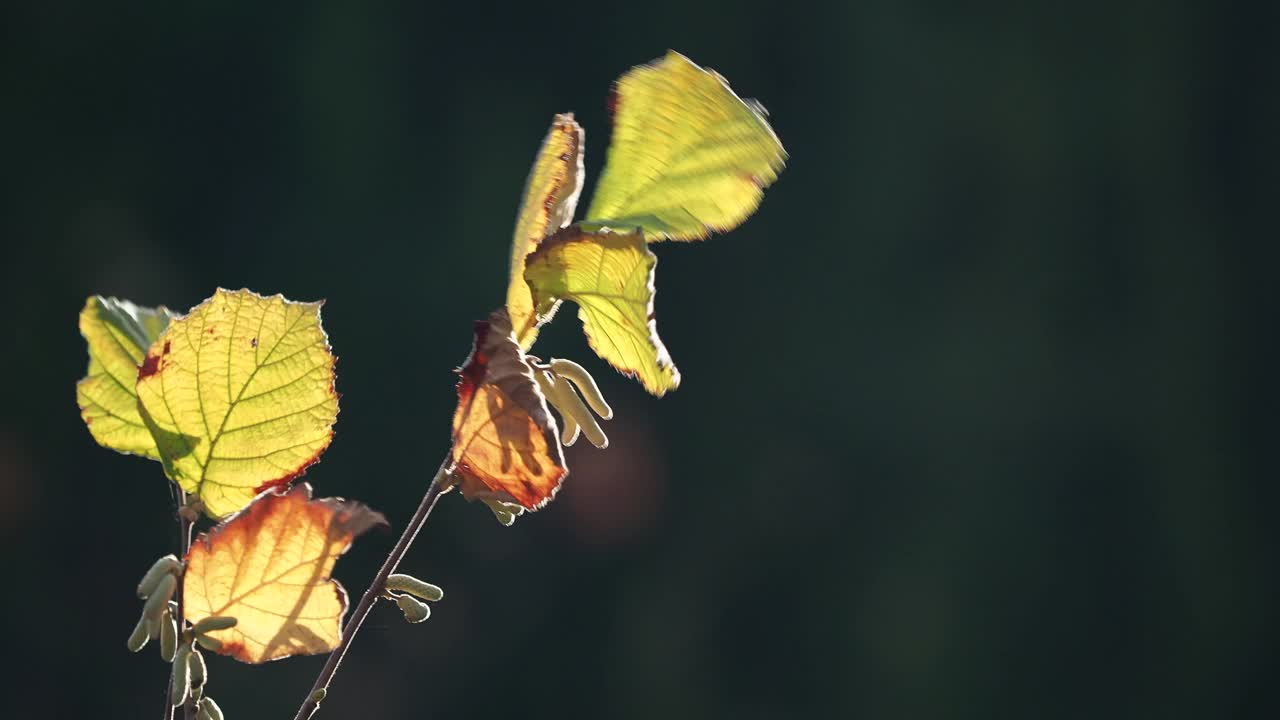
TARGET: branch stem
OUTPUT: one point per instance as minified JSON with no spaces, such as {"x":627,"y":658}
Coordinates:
{"x":371,"y":595}
{"x":184,"y":545}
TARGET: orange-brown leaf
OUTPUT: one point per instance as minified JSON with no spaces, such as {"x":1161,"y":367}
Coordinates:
{"x":268,"y":566}
{"x":505,"y":442}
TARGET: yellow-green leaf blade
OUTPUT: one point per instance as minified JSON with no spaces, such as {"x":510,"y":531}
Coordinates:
{"x":550,"y":197}
{"x":239,"y":395}
{"x":118,"y":334}
{"x":688,"y":157}
{"x":610,"y":277}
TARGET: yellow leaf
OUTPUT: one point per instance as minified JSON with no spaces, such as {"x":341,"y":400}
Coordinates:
{"x":610,"y":277}
{"x":239,"y":396}
{"x":550,"y":196}
{"x":505,"y":442}
{"x":268,"y":567}
{"x":118,"y":334}
{"x":687,"y":158}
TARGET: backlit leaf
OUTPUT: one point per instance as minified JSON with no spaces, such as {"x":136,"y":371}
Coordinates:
{"x":550,"y":197}
{"x":239,"y":396}
{"x":118,"y":334}
{"x":688,"y":157}
{"x":268,"y":566}
{"x":506,"y":445}
{"x":610,"y":277}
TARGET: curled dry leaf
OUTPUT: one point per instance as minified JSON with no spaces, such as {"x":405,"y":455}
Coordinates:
{"x":268,"y":566}
{"x":550,"y":197}
{"x":505,"y":442}
{"x":239,"y":395}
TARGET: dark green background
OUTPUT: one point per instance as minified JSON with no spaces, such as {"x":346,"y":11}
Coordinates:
{"x":978,"y":410}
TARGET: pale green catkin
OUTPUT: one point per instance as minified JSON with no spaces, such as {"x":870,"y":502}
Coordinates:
{"x":140,"y":636}
{"x":159,"y":600}
{"x":166,"y":565}
{"x":209,"y":710}
{"x":415,"y":611}
{"x":213,"y":623}
{"x":181,"y":676}
{"x":586,"y":385}
{"x":168,"y":633}
{"x":414,"y":586}
{"x":208,"y":643}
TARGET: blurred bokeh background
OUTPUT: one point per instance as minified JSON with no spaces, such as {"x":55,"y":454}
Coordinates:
{"x":978,"y":410}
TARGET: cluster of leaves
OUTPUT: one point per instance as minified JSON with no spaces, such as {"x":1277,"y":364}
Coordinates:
{"x":687,"y":158}
{"x":236,"y":398}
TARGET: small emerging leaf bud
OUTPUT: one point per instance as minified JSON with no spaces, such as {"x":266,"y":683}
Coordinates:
{"x":415,"y":611}
{"x":208,"y":643}
{"x":214,"y":623}
{"x":181,"y":676}
{"x":159,"y":600}
{"x":167,"y":565}
{"x":586,"y":385}
{"x":141,"y":635}
{"x":197,"y":670}
{"x":414,"y":586}
{"x":168,"y":632}
{"x":209,"y":710}
{"x":319,"y":695}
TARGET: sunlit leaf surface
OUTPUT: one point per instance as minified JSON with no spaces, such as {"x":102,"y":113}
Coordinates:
{"x":239,"y":395}
{"x":505,"y":442}
{"x":687,"y":158}
{"x":118,"y":334}
{"x":268,"y":566}
{"x":550,"y":196}
{"x":610,"y":277}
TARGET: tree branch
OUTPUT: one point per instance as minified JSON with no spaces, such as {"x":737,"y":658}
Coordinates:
{"x":321,"y":686}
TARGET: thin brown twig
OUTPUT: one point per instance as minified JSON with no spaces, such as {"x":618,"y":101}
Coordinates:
{"x":438,"y":486}
{"x":184,"y":544}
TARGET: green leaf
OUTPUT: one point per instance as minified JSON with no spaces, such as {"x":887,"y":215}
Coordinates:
{"x":610,"y":277}
{"x":239,"y":395}
{"x":118,"y":334}
{"x":550,"y":197}
{"x":687,"y":158}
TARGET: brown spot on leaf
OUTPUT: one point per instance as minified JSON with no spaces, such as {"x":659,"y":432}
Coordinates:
{"x":150,"y":366}
{"x":151,"y":363}
{"x":233,"y":649}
